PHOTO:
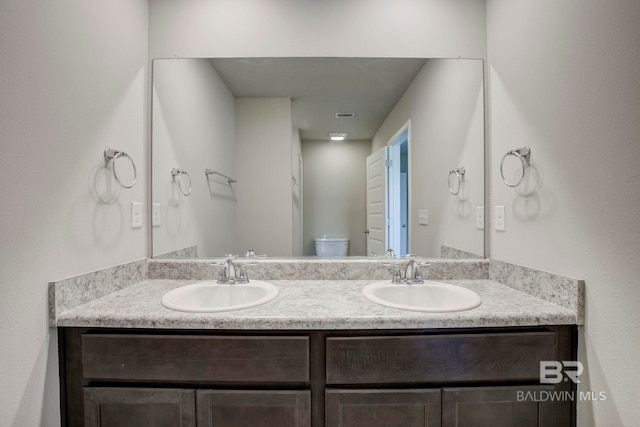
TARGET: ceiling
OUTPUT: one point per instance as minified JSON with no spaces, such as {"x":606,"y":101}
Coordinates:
{"x":321,"y":87}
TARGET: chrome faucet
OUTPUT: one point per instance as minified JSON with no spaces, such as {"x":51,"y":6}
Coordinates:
{"x":412,"y":274}
{"x":390,"y":253}
{"x":229,"y":273}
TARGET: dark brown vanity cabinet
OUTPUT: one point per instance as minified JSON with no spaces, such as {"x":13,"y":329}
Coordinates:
{"x":159,"y":407}
{"x":473,"y":379}
{"x":462,"y":378}
{"x":383,"y":408}
{"x":139,"y":379}
{"x":499,"y":407}
{"x":138,"y":407}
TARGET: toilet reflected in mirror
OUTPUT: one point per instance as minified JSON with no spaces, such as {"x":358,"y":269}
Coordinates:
{"x":331,"y":246}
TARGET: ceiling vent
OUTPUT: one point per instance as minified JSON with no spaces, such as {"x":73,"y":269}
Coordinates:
{"x":345,"y":115}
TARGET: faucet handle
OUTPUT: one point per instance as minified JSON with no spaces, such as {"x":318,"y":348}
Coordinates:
{"x":223,"y":275}
{"x":397,"y":275}
{"x":417,"y":275}
{"x":244,"y":277}
{"x":395,"y":269}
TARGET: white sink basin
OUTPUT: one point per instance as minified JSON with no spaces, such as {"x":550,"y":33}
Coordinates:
{"x":435,"y":297}
{"x":209,"y":297}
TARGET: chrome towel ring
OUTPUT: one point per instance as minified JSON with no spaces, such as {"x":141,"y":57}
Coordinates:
{"x":177,"y":175}
{"x":459,"y":174}
{"x":113,"y":155}
{"x":524,"y":154}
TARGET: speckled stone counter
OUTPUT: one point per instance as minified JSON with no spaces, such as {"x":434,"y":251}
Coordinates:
{"x":313,"y":304}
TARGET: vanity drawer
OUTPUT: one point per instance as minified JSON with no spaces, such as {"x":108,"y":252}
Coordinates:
{"x":195,"y":358}
{"x":443,"y":359}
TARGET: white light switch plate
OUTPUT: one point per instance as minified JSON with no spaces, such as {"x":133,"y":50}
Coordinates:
{"x":136,"y":215}
{"x":155,"y":214}
{"x":500,"y":218}
{"x":480,"y":217}
{"x":423,"y":216}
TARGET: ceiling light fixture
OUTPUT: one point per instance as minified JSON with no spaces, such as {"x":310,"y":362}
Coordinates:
{"x":337,"y":136}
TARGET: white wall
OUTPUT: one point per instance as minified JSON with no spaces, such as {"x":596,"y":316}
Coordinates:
{"x":263,"y":170}
{"x":73,"y":82}
{"x":445,"y":106}
{"x":564,"y":81}
{"x":409,"y":28}
{"x":335,"y":192}
{"x":193,"y":129}
{"x":376,"y":28}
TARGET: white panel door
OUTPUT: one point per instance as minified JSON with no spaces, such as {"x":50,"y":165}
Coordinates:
{"x":404,"y":213}
{"x":376,"y":202}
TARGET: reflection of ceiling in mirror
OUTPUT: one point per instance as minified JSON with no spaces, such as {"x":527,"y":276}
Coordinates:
{"x":321,"y":87}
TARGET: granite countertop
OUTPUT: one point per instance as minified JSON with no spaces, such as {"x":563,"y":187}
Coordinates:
{"x":313,"y":304}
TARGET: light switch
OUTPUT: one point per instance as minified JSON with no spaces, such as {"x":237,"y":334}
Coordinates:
{"x":500,"y":218}
{"x":155,"y":214}
{"x":136,"y":215}
{"x":480,"y":217}
{"x":423,"y":216}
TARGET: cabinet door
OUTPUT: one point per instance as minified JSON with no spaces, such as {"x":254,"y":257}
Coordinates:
{"x":526,"y":406}
{"x":383,"y":408}
{"x":267,"y":408}
{"x":138,"y":407}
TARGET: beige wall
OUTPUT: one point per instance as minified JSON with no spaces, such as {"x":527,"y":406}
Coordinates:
{"x":73,"y":82}
{"x":335,"y":195}
{"x":376,"y":28}
{"x":445,"y":106}
{"x":193,"y":129}
{"x":564,"y":81}
{"x":263,"y":169}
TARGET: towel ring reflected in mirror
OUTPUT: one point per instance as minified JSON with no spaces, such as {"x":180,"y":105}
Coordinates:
{"x":459,"y":174}
{"x":177,"y":176}
{"x":111,"y":155}
{"x":524,"y":154}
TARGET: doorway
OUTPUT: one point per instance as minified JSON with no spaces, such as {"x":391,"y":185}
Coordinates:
{"x":388,"y":189}
{"x":398,"y":191}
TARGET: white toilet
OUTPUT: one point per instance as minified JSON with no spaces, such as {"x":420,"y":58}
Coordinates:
{"x":331,"y":246}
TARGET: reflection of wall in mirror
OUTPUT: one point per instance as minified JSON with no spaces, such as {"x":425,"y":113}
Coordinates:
{"x":193,"y":129}
{"x":335,"y":192}
{"x":445,"y":106}
{"x":263,"y":169}
{"x":198,"y":125}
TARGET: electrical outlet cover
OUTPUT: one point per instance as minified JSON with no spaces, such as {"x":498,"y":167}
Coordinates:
{"x":155,"y":214}
{"x":423,"y":216}
{"x":500,"y":220}
{"x":136,"y":215}
{"x":480,"y":217}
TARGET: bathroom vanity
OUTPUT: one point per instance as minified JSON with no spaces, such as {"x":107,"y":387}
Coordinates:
{"x":319,"y":354}
{"x":457,"y":377}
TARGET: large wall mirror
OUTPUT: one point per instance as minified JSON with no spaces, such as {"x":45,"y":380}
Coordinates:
{"x":243,"y":156}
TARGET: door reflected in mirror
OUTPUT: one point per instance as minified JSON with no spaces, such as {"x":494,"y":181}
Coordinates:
{"x":284,"y":188}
